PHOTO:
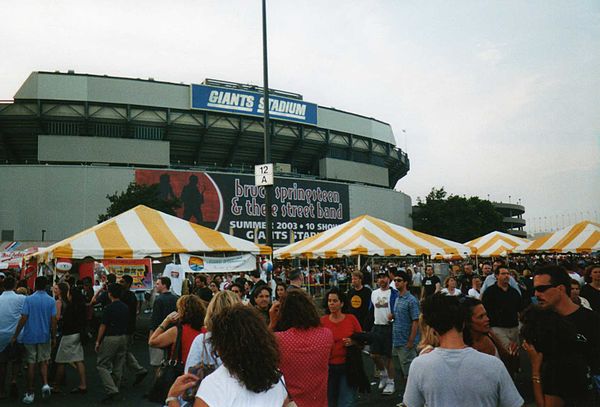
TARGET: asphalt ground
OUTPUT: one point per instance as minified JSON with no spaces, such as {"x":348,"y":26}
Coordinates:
{"x":133,"y":395}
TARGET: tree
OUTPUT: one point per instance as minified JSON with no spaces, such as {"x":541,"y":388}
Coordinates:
{"x":138,"y":194}
{"x":454,"y":217}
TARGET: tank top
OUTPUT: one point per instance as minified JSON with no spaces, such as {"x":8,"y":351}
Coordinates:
{"x":188,"y":334}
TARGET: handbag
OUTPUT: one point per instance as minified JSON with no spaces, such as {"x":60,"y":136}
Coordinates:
{"x":291,"y":402}
{"x":169,"y":370}
{"x":201,"y":370}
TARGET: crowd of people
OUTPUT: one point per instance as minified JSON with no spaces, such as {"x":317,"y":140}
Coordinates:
{"x":246,"y":340}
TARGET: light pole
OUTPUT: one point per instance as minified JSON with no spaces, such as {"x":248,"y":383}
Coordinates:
{"x":267,"y":143}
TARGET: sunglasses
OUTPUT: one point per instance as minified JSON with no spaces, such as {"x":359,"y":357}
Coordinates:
{"x":398,"y":280}
{"x":543,"y":288}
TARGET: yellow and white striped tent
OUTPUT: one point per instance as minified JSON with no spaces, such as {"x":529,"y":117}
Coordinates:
{"x":144,"y":232}
{"x":370,"y":236}
{"x":495,"y":244}
{"x":582,"y":237}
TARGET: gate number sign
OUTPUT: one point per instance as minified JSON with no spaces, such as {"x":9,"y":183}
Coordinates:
{"x":263,"y":174}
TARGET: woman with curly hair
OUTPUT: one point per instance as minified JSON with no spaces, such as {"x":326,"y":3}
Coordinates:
{"x":558,"y":371}
{"x":304,"y":348}
{"x":342,"y":326}
{"x":248,"y":376}
{"x":190,"y":316}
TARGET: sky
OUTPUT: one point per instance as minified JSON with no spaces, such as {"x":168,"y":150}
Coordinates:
{"x":497,"y":99}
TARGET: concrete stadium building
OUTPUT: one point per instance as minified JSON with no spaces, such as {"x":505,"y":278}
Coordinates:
{"x":68,"y":139}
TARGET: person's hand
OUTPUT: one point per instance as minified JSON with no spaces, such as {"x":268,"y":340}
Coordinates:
{"x":390,"y":317}
{"x":274,"y":311}
{"x":409,"y":345}
{"x":512,"y":349}
{"x":53,"y":343}
{"x":181,"y":384}
{"x":347,"y":341}
{"x":97,"y":347}
{"x":171,"y":318}
{"x":535,"y":357}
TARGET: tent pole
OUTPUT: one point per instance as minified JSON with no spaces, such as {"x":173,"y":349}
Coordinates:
{"x":308,"y":276}
{"x":359,"y":262}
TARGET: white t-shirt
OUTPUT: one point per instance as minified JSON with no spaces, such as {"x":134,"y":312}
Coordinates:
{"x":474,"y":293}
{"x":456,"y":293}
{"x":381,"y":301}
{"x":198,"y":354}
{"x":220,"y":389}
{"x":176,"y":274}
{"x":577,"y":277}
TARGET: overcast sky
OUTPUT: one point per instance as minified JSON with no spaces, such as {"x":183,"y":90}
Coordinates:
{"x":496,"y":98}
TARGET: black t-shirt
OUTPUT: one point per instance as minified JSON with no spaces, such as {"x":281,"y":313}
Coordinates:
{"x":73,"y":314}
{"x":130,"y":300}
{"x":429,"y":284}
{"x":592,"y":295}
{"x":587,"y":324}
{"x":164,"y":304}
{"x":502,"y":306}
{"x":359,"y":306}
{"x":566,"y":378}
{"x":116,"y":318}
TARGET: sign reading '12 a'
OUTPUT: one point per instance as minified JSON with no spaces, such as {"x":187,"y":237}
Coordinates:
{"x":251,"y":103}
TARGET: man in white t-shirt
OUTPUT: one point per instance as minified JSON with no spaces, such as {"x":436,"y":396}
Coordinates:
{"x":383,"y":299}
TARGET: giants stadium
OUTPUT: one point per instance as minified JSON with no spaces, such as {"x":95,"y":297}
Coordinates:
{"x":68,"y":140}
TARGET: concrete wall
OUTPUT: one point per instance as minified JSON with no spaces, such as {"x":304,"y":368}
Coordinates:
{"x":386,"y":204}
{"x":349,"y":123}
{"x":65,"y":199}
{"x":344,"y":170}
{"x":103,"y":150}
{"x":60,"y":199}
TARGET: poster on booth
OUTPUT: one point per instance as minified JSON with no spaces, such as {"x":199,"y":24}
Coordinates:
{"x":206,"y":264}
{"x":233,"y":203}
{"x":139,"y":269}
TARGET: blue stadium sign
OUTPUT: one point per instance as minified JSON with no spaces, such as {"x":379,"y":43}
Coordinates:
{"x":251,"y":103}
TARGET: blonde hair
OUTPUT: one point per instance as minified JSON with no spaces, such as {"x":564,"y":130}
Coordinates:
{"x":221,"y":300}
{"x":428,"y":336}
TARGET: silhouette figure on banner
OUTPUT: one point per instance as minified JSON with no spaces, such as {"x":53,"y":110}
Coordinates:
{"x":192,"y":199}
{"x":165,"y":190}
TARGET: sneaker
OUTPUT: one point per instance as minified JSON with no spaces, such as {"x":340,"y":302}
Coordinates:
{"x":389,"y":388}
{"x":383,"y":382}
{"x":46,"y":391}
{"x":28,"y":398}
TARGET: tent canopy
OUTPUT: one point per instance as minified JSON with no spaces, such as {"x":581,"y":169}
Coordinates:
{"x":495,"y":244}
{"x":582,"y":237}
{"x":144,"y":232}
{"x":370,"y":236}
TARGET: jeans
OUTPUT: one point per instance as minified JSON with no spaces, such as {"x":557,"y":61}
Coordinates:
{"x":339,"y":392}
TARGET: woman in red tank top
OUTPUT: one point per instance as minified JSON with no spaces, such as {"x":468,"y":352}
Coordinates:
{"x":190,"y":315}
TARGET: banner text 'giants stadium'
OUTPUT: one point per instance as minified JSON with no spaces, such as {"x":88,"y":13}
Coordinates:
{"x":250,"y":103}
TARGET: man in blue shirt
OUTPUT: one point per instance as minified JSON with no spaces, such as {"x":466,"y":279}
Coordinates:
{"x":11,"y":306}
{"x":38,"y":321}
{"x":405,"y":333}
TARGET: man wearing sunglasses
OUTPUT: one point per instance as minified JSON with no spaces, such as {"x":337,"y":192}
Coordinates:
{"x":552,"y":288}
{"x":405,"y":335}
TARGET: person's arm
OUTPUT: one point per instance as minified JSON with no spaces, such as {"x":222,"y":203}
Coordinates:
{"x":274,"y":315}
{"x":438,"y":287}
{"x":100,"y":337}
{"x":20,"y":326}
{"x":541,"y":399}
{"x":413,"y":334}
{"x":161,"y":338}
{"x":53,"y":330}
{"x":58,"y":309}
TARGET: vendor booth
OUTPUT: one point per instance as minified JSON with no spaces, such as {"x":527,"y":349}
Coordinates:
{"x":495,"y":244}
{"x":142,"y":233}
{"x":582,"y":237}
